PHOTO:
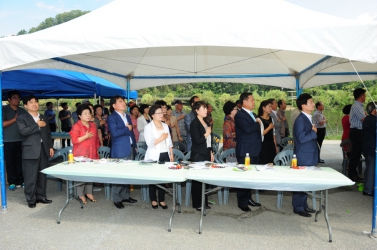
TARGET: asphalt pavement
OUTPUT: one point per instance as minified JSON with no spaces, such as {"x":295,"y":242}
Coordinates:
{"x":102,"y":226}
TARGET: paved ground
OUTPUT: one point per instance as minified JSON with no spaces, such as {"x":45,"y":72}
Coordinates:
{"x":101,"y":226}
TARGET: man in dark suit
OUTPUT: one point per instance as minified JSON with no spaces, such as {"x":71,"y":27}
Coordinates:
{"x":306,"y":148}
{"x":248,"y":140}
{"x":123,"y":142}
{"x":36,"y":149}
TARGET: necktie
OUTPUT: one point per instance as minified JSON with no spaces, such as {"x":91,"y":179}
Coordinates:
{"x":252,"y":116}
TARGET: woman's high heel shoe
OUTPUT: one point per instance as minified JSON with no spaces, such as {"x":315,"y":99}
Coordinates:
{"x":154,"y":206}
{"x":163,"y":207}
{"x":81,"y":200}
{"x":92,"y":200}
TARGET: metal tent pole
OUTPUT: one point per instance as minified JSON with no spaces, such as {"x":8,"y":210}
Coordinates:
{"x":2,"y":169}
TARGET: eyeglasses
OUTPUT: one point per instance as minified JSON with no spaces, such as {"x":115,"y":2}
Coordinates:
{"x":159,"y":113}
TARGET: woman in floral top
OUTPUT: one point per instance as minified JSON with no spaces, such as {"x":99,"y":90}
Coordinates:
{"x":229,"y":127}
{"x":85,"y":141}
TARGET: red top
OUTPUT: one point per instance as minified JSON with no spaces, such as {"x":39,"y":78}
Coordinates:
{"x":134,"y":122}
{"x":88,"y":147}
{"x":346,"y":127}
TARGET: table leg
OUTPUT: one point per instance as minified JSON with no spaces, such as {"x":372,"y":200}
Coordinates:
{"x":324,"y":205}
{"x":202,"y":212}
{"x":173,"y":206}
{"x":66,"y":203}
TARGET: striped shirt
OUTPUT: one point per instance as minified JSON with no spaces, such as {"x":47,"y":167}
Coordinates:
{"x":356,"y":115}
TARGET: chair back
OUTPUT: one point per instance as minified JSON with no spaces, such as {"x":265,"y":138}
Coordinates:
{"x":140,"y":154}
{"x":103,"y":152}
{"x":228,"y":155}
{"x":284,"y":158}
{"x":288,"y":147}
{"x":180,"y":146}
{"x":178,"y":155}
{"x":188,"y":156}
{"x":217,"y":155}
{"x":142,"y":144}
{"x":215,"y":141}
{"x":285,"y":141}
{"x":62,"y":152}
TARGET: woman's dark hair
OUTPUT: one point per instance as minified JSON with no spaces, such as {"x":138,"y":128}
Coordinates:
{"x":153,"y":109}
{"x":63,"y":104}
{"x":168,"y":107}
{"x":97,"y":106}
{"x":48,"y":104}
{"x":134,"y":107}
{"x":192,"y":99}
{"x":142,"y":107}
{"x":347,"y":109}
{"x":228,"y":107}
{"x":83,"y":107}
{"x":160,"y":102}
{"x":263,"y":104}
{"x":197,"y":106}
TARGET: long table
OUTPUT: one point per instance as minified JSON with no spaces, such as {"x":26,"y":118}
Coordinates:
{"x":128,"y":172}
{"x":282,"y":179}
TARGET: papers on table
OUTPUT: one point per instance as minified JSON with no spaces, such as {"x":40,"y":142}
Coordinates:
{"x":265,"y":168}
{"x":315,"y":168}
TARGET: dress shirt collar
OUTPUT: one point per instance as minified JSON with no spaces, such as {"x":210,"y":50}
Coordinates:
{"x":309,"y":116}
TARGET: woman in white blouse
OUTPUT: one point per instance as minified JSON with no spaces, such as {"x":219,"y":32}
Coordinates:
{"x":143,"y":120}
{"x":160,"y":148}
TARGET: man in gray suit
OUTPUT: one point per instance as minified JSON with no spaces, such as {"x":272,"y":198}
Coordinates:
{"x":277,"y":122}
{"x":36,"y":149}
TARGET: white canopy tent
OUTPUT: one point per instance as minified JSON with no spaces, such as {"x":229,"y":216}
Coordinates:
{"x":154,"y":43}
{"x":143,"y":43}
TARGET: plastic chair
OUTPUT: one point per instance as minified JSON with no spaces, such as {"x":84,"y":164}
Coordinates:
{"x":140,"y":154}
{"x":215,"y":141}
{"x":103,"y":152}
{"x":217,"y":155}
{"x":285,"y":141}
{"x":188,"y":156}
{"x":142,"y":144}
{"x":180,"y":146}
{"x":288,"y":147}
{"x":223,"y":158}
{"x":346,"y":150}
{"x":63,"y":153}
{"x":284,"y":158}
{"x":178,"y":155}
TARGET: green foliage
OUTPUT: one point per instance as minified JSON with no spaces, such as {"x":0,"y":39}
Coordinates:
{"x":59,"y":18}
{"x":147,"y":99}
{"x":169,"y":98}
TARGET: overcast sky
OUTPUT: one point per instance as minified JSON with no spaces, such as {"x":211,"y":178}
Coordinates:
{"x":16,"y":15}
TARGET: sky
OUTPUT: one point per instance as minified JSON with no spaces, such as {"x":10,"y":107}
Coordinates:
{"x":16,"y":15}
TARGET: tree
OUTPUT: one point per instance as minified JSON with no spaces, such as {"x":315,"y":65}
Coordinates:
{"x":169,"y":98}
{"x":147,"y":99}
{"x":22,"y":32}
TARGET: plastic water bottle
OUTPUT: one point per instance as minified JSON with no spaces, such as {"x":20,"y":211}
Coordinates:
{"x":294,"y":162}
{"x":70,"y":156}
{"x":247,"y":160}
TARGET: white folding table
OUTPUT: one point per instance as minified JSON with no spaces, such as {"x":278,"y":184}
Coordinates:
{"x":282,"y":179}
{"x":128,"y":172}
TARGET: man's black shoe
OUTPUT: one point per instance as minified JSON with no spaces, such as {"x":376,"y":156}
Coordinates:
{"x":308,"y":210}
{"x":129,"y":200}
{"x":44,"y":201}
{"x":369,"y":194}
{"x":321,"y":161}
{"x":253,"y":203}
{"x":31,"y":205}
{"x":245,"y":209}
{"x":303,"y":214}
{"x":119,"y":205}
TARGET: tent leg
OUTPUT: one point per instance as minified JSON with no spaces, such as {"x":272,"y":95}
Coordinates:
{"x":2,"y":166}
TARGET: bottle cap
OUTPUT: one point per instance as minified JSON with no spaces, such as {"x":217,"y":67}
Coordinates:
{"x":70,"y":150}
{"x":247,"y":154}
{"x":294,"y":156}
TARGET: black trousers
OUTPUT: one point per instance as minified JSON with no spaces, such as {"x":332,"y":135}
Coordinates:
{"x":164,"y":157}
{"x":356,"y":138}
{"x":52,"y":129}
{"x":196,"y":187}
{"x":243,"y":195}
{"x":13,"y":161}
{"x":66,"y":129}
{"x":321,"y":133}
{"x":35,"y":181}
